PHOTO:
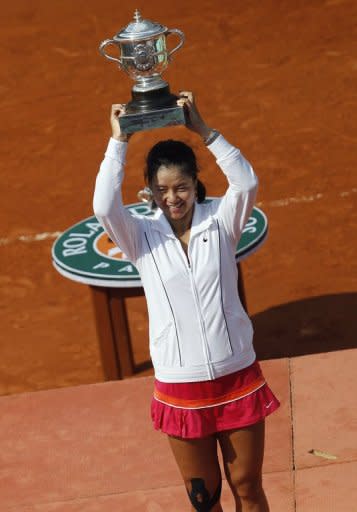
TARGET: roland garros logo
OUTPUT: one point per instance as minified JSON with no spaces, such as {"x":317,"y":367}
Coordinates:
{"x":86,"y":252}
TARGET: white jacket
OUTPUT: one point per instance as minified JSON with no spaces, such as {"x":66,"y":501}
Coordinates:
{"x":198,"y":327}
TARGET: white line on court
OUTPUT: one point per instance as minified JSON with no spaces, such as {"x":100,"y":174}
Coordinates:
{"x":272,"y":204}
{"x":302,"y":199}
{"x":30,"y":238}
{"x":290,"y":200}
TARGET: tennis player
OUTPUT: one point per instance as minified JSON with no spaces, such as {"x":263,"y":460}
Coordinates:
{"x":209,"y":388}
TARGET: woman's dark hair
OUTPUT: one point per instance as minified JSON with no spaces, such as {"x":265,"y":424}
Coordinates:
{"x":174,"y":152}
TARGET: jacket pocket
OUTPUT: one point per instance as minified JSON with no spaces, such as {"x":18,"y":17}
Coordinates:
{"x":164,"y":347}
{"x":221,"y":351}
{"x":219,"y":338}
{"x":241,"y":330}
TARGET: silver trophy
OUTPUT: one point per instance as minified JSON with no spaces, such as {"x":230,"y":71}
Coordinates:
{"x":144,"y":56}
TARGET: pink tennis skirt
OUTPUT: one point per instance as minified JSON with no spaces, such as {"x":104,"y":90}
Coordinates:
{"x":199,"y":409}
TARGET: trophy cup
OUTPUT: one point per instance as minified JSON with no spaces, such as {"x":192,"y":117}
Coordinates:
{"x":144,"y":56}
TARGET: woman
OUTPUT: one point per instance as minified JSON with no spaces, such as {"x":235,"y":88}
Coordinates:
{"x":209,"y":388}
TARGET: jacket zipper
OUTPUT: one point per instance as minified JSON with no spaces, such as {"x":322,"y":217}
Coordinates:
{"x":198,"y":308}
{"x":203,"y":328}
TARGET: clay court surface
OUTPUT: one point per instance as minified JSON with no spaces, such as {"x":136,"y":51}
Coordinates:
{"x":278,"y":79}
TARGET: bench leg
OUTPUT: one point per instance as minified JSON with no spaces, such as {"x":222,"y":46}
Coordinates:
{"x":105,"y":332}
{"x":122,"y":337}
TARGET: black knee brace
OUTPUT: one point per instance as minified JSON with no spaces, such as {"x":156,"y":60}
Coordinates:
{"x":200,"y":497}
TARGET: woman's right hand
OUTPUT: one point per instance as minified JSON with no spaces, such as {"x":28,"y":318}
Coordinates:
{"x":117,"y":110}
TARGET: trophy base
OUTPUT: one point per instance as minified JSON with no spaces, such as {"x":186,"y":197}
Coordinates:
{"x":140,"y":121}
{"x":150,"y":109}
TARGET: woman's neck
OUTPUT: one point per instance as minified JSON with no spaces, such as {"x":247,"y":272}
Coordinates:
{"x":181,"y":226}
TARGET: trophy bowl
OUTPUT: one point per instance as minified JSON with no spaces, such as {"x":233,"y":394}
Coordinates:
{"x":144,"y":56}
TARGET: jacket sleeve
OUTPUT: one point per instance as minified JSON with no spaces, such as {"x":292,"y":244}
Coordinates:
{"x":237,"y":203}
{"x":123,"y":228}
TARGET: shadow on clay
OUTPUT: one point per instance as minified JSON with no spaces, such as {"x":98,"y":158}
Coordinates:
{"x":314,"y":325}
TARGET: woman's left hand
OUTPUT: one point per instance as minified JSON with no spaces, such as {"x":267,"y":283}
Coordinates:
{"x":194,"y":119}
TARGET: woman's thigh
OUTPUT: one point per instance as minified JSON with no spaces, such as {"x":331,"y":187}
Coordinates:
{"x":198,"y":463}
{"x":243,"y":453}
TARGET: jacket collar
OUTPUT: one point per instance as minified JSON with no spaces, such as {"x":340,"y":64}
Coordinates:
{"x":200,"y":221}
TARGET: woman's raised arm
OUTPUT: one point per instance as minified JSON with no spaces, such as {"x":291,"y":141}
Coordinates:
{"x":121,"y":226}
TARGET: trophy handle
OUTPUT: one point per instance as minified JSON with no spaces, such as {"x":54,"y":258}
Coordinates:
{"x":103,"y":45}
{"x":182,"y":39}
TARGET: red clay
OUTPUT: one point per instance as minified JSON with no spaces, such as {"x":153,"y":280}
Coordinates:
{"x":278,"y":79}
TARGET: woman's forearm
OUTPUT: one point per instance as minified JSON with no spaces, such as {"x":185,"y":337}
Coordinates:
{"x":108,"y":205}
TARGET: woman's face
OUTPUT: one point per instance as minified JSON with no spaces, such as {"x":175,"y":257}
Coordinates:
{"x":174,"y":192}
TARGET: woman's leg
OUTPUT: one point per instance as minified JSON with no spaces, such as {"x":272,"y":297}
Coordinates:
{"x":198,"y":463}
{"x":243,"y":451}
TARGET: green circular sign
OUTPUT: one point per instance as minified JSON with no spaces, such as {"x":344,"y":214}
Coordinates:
{"x":85,"y":253}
